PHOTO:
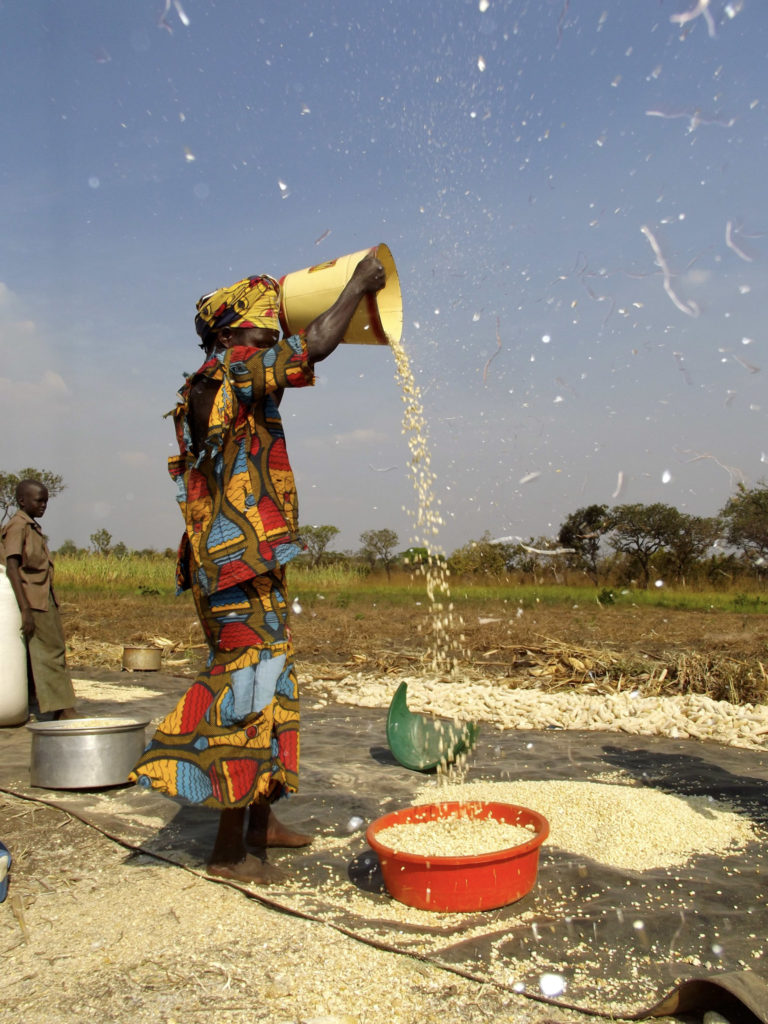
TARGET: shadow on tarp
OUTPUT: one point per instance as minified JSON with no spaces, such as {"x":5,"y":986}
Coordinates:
{"x":613,"y":943}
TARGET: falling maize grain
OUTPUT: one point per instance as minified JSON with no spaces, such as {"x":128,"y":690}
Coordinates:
{"x":444,"y":629}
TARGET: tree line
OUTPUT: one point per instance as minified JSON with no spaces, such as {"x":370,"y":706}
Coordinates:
{"x":631,"y":543}
{"x":637,"y":544}
{"x":379,"y":548}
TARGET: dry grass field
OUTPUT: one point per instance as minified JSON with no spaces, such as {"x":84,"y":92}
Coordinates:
{"x":660,"y":650}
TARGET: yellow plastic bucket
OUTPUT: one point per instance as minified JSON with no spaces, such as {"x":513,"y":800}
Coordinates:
{"x":378,"y":319}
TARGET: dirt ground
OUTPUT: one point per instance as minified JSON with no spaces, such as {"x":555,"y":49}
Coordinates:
{"x":658,"y":650}
{"x":93,"y":931}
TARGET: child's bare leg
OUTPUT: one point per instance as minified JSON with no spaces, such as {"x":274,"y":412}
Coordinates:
{"x":230,"y":858}
{"x":65,"y":713}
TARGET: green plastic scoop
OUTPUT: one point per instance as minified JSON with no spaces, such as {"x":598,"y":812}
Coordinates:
{"x":422,"y":742}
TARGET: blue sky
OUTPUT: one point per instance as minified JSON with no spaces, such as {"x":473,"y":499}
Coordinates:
{"x":573,"y":191}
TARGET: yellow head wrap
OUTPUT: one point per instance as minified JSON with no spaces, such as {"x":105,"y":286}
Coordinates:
{"x":252,"y":302}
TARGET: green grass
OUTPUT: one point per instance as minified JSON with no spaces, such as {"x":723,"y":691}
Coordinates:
{"x":330,"y":577}
{"x":154,"y":576}
{"x":106,"y":573}
{"x":685,"y":600}
{"x":531,"y":595}
{"x":345,"y":587}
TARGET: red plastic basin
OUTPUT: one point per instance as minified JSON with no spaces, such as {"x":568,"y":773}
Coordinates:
{"x":481,"y":882}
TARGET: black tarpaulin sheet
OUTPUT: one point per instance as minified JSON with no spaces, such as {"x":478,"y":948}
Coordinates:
{"x":573,"y":941}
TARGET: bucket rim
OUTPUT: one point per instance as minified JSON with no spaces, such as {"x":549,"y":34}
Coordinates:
{"x":87,"y":726}
{"x":406,"y":814}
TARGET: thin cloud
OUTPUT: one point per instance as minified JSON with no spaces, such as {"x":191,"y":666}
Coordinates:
{"x":349,"y":439}
{"x":365,"y":435}
{"x":137,"y":459}
{"x":48,"y":387}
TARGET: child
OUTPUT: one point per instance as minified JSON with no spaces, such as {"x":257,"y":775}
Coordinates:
{"x":30,"y":571}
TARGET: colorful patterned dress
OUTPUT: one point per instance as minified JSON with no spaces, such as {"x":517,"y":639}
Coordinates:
{"x":234,"y":735}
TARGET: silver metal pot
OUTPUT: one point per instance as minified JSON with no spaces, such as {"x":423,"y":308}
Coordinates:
{"x":142,"y":659}
{"x":85,"y":753}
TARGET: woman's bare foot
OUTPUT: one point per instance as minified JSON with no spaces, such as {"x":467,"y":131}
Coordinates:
{"x":250,"y":869}
{"x":265,"y":831}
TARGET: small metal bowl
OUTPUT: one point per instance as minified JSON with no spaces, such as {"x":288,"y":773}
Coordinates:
{"x":142,"y":659}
